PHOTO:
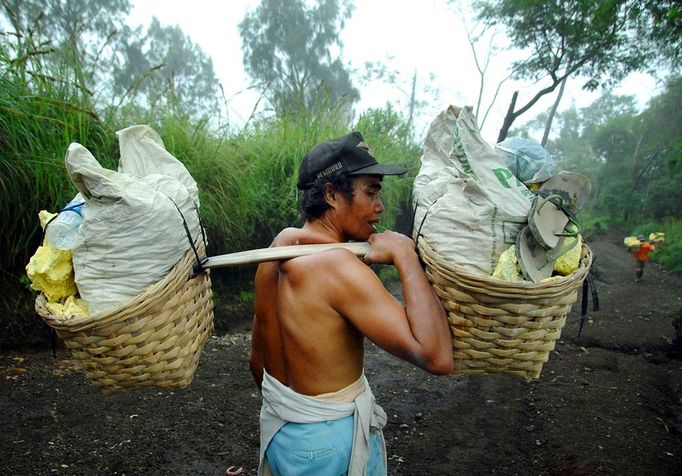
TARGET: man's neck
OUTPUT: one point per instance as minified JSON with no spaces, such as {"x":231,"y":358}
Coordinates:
{"x":325,"y":229}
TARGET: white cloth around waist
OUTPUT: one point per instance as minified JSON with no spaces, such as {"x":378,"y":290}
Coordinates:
{"x":281,"y":404}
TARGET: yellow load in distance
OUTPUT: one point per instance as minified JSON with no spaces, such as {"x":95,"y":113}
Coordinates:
{"x":657,"y":237}
{"x":631,"y":241}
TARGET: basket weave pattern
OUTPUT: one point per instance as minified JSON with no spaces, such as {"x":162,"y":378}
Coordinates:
{"x":153,"y":340}
{"x":500,"y":326}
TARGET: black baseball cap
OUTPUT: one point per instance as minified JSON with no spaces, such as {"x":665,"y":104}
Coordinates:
{"x":349,"y":153}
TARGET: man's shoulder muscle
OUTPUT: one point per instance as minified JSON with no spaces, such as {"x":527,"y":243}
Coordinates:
{"x":334,"y":266}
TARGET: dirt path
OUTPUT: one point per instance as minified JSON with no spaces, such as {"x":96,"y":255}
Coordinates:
{"x":608,"y":403}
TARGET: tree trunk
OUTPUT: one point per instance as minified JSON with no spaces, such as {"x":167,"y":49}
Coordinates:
{"x":512,"y":114}
{"x":635,"y":159}
{"x":552,"y":112}
{"x":412,"y":101}
{"x":509,"y":118}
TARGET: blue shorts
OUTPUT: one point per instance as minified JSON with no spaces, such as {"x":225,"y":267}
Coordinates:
{"x":313,"y":449}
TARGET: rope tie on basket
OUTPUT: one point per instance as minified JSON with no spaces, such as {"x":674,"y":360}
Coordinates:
{"x":419,"y":232}
{"x":199,"y":266}
{"x":588,"y":283}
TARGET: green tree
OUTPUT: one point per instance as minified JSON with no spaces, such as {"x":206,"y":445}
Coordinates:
{"x":602,"y":41}
{"x":85,"y":22}
{"x":633,"y":159}
{"x":73,"y":32}
{"x":288,"y":49}
{"x":571,"y":149}
{"x":657,"y":173}
{"x":87,"y":42}
{"x":164,"y":63}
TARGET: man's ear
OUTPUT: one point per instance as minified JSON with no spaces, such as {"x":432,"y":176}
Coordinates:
{"x":331,"y":195}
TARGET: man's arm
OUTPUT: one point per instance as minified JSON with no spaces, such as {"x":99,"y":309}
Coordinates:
{"x":417,"y":332}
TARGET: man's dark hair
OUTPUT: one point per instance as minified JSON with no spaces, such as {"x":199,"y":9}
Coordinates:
{"x":313,"y":204}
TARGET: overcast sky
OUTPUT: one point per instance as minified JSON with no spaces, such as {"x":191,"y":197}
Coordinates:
{"x":427,"y":36}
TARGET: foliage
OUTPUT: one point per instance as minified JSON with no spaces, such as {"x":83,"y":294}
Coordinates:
{"x":670,"y":253}
{"x":659,"y":24}
{"x":592,"y":225}
{"x":74,"y":32}
{"x":67,"y":22}
{"x":602,"y":41}
{"x":288,"y":49}
{"x":416,"y":92}
{"x":389,"y":135}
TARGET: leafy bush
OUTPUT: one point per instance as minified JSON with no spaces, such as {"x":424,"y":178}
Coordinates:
{"x":670,"y":253}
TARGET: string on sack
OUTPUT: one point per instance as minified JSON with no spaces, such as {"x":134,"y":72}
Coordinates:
{"x":199,"y":266}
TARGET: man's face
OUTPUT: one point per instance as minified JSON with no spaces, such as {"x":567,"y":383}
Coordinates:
{"x":362,"y":213}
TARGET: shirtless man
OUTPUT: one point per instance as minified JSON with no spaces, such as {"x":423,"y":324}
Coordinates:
{"x":313,"y":313}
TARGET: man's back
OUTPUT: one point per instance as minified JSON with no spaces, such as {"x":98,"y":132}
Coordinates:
{"x":312,"y":313}
{"x":323,"y":350}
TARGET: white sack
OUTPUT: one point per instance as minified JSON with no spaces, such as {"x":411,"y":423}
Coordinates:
{"x":468,"y":205}
{"x":143,"y":153}
{"x":132,"y":234}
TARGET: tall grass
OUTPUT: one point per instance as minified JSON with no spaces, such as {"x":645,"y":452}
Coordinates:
{"x":388,"y":135}
{"x":42,"y":110}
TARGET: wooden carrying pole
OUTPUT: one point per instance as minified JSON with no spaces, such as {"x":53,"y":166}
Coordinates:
{"x":278,"y":253}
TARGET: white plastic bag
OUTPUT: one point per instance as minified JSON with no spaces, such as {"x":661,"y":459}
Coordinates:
{"x":527,"y":159}
{"x":468,"y":205}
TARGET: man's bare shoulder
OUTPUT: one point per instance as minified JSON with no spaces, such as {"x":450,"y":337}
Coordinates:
{"x":339,"y":262}
{"x":334,"y":277}
{"x":299,"y":236}
{"x":286,"y":237}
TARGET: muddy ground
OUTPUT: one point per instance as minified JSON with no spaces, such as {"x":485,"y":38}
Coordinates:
{"x":607,"y":403}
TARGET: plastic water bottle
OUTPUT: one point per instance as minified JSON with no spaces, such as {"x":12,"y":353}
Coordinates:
{"x":63,"y":230}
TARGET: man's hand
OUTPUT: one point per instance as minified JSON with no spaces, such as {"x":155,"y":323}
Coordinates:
{"x":387,"y":247}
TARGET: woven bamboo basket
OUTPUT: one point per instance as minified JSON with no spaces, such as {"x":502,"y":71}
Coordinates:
{"x":500,"y":326}
{"x":153,"y":340}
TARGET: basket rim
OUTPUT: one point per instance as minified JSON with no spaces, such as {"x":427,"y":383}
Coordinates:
{"x":143,"y":301}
